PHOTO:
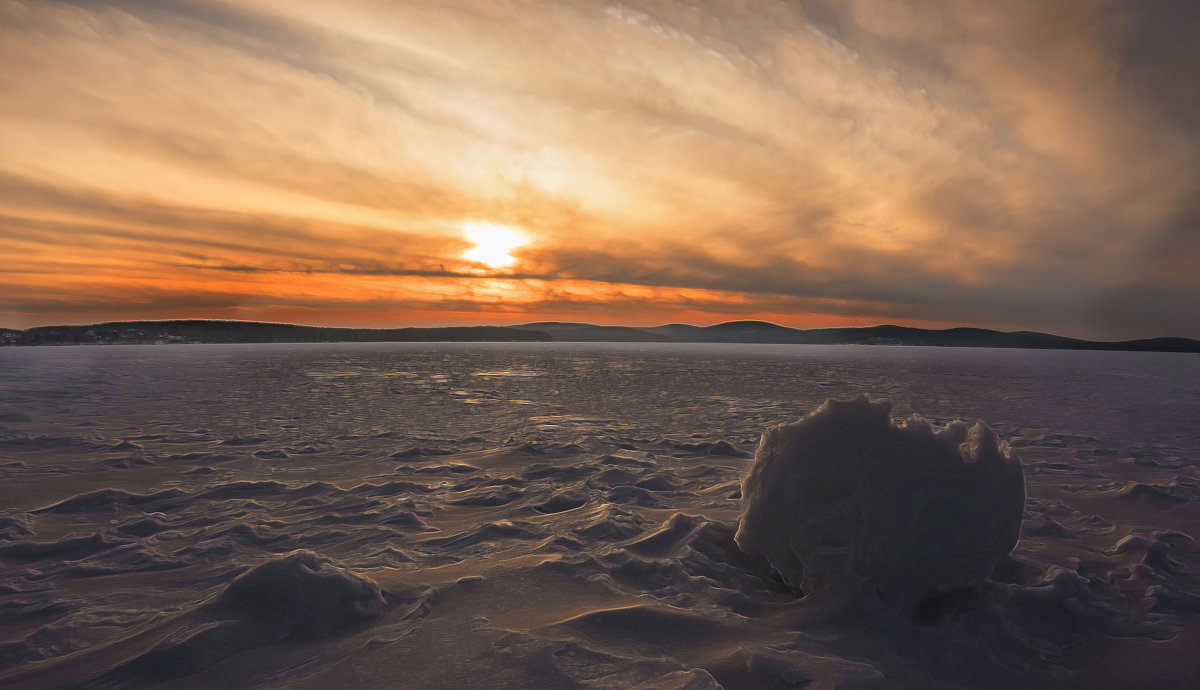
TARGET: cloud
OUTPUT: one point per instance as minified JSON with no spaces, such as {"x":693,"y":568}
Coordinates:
{"x":1021,"y":165}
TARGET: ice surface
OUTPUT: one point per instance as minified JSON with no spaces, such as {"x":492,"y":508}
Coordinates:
{"x":846,"y":495}
{"x":570,"y":529}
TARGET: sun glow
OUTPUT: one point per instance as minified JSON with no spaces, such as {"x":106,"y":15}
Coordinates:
{"x":493,"y":243}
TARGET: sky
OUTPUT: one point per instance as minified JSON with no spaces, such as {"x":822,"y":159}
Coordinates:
{"x":1020,"y":165}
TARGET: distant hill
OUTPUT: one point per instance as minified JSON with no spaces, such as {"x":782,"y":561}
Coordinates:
{"x":764,"y":332}
{"x":591,"y":333}
{"x":204,"y":331}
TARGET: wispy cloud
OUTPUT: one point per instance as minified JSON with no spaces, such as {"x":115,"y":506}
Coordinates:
{"x":1023,"y":165}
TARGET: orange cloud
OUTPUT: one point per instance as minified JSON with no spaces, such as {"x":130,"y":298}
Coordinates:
{"x":1024,"y":165}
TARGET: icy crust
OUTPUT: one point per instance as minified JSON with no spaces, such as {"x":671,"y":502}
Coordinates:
{"x":845,"y":496}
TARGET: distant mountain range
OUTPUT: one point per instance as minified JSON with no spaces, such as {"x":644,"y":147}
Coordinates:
{"x":204,"y":331}
{"x":763,"y":332}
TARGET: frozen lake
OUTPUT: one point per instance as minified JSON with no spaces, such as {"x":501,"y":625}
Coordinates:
{"x":559,"y":515}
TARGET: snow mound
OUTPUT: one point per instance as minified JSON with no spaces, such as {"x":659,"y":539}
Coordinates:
{"x":305,"y":595}
{"x":845,"y":496}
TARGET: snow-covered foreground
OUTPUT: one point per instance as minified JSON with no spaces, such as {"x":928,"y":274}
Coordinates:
{"x":556,"y":515}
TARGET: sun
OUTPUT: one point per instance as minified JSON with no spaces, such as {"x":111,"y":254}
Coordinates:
{"x":493,"y":243}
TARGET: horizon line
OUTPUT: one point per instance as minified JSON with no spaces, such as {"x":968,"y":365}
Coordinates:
{"x":595,"y":325}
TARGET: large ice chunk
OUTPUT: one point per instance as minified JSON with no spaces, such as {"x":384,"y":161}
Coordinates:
{"x":844,"y":495}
